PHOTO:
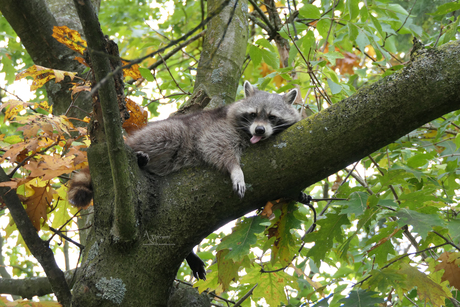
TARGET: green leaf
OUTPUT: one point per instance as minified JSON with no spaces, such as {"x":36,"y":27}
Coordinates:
{"x":335,"y":88}
{"x":228,"y":269}
{"x":331,"y":228}
{"x":422,"y":223}
{"x":361,"y":298}
{"x":364,"y":13}
{"x":357,"y":204}
{"x":381,"y":280}
{"x":352,"y":31}
{"x":397,"y":9}
{"x":309,"y":43}
{"x":256,"y":55}
{"x":353,"y":8}
{"x":446,"y":8}
{"x":265,"y":43}
{"x":323,"y":27}
{"x":146,"y":74}
{"x":454,"y":229}
{"x":310,"y":11}
{"x":242,"y":237}
{"x":362,"y":40}
{"x":377,"y":25}
{"x":286,"y":244}
{"x":428,"y":291}
{"x":270,"y":58}
{"x":270,"y":286}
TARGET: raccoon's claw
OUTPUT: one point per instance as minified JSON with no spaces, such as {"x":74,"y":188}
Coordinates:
{"x":238,"y":181}
{"x":240,"y":189}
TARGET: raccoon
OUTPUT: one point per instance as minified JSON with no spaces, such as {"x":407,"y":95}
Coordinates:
{"x":216,"y":137}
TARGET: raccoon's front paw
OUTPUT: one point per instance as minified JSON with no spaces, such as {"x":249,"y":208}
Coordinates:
{"x":142,"y":158}
{"x":238,"y":182}
{"x":239,"y":188}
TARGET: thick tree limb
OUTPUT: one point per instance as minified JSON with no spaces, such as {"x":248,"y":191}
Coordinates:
{"x":122,"y":175}
{"x":37,"y":246}
{"x":317,"y":147}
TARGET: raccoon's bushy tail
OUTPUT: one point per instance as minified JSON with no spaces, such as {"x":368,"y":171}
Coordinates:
{"x":80,"y":190}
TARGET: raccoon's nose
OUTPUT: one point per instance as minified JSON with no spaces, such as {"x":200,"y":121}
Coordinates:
{"x":260,"y":130}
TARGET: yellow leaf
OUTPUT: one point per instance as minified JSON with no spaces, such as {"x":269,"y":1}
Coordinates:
{"x":41,"y":75}
{"x":70,"y":38}
{"x":132,"y":71}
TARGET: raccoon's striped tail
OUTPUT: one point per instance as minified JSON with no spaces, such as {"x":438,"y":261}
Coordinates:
{"x":80,"y":192}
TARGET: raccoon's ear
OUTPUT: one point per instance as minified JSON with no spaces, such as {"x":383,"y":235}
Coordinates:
{"x":248,"y":89}
{"x":291,"y":96}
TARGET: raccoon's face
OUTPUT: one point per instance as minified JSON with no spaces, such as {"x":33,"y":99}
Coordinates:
{"x":261,"y":124}
{"x":262,"y":114}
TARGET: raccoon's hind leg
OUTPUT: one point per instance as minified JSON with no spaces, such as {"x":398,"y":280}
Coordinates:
{"x":237,"y":176}
{"x":197,"y":266}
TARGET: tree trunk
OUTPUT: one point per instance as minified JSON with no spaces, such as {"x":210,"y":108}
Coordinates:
{"x":224,"y":50}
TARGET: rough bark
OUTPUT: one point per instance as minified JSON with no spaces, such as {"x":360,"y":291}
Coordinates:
{"x":184,"y":207}
{"x":219,"y":69}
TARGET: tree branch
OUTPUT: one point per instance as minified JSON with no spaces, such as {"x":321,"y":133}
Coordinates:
{"x":30,"y":287}
{"x":122,"y":175}
{"x":317,"y":147}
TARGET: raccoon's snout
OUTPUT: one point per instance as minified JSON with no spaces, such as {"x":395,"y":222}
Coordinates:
{"x":260,"y":130}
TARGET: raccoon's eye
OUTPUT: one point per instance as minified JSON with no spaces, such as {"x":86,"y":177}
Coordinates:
{"x":253,"y":115}
{"x":272,"y":117}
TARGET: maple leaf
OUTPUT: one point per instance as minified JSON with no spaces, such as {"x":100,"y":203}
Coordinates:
{"x":428,"y":290}
{"x":228,"y":269}
{"x":137,"y":117}
{"x":450,"y":263}
{"x":242,"y":237}
{"x":285,"y":244}
{"x":38,"y":203}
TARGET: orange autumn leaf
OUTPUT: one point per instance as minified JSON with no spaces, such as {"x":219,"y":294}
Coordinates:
{"x":132,"y":71}
{"x":265,"y":70}
{"x":267,"y":212}
{"x":450,"y":263}
{"x":41,"y":75}
{"x":137,"y":117}
{"x":37,"y":204}
{"x":70,"y":38}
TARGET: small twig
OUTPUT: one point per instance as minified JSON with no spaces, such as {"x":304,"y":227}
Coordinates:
{"x":172,"y":77}
{"x":402,"y":257}
{"x":59,"y":233}
{"x":264,"y":18}
{"x":447,"y":240}
{"x":151,"y":54}
{"x":345,"y":180}
{"x":241,"y":300}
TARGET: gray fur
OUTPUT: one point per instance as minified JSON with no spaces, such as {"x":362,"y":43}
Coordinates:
{"x":216,"y":137}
